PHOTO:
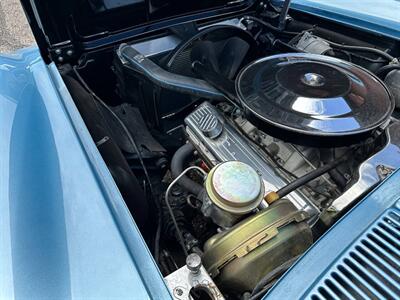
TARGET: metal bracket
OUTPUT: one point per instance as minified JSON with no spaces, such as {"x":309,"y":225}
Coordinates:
{"x":62,"y":52}
{"x":193,"y":275}
{"x":373,"y":170}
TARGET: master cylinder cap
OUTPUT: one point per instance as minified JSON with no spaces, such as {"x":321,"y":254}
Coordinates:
{"x":235,"y":187}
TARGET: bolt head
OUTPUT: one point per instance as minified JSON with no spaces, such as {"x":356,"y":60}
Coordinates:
{"x":193,"y":262}
{"x":179,"y":291}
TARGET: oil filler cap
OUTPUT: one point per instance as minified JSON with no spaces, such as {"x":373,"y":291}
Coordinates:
{"x":209,"y":124}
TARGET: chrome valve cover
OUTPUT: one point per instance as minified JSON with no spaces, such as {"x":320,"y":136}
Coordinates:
{"x":227,"y":144}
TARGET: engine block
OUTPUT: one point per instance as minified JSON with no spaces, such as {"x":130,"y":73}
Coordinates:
{"x":217,"y":140}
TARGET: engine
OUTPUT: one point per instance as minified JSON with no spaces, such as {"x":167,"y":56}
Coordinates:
{"x":271,"y":136}
{"x":221,"y":140}
{"x":276,"y":146}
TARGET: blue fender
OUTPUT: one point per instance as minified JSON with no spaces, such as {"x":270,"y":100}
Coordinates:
{"x":380,"y":17}
{"x":320,"y":270}
{"x":65,"y":231}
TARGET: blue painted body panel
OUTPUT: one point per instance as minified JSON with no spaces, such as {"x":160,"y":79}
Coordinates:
{"x":65,"y":231}
{"x":316,"y":264}
{"x":380,"y":17}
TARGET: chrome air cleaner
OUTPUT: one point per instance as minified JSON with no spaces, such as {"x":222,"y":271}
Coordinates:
{"x":308,"y":98}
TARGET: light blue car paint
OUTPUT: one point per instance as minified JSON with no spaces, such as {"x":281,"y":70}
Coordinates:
{"x":65,"y":231}
{"x":382,"y":16}
{"x":308,"y":273}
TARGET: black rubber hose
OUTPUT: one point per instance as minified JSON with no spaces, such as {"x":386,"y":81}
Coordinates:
{"x":281,"y":45}
{"x":178,"y":162}
{"x":362,"y":49}
{"x":382,"y":72}
{"x":165,"y":79}
{"x":338,"y":178}
{"x":328,"y":155}
{"x":226,"y":86}
{"x":269,"y":26}
{"x":294,"y":185}
{"x":331,"y":35}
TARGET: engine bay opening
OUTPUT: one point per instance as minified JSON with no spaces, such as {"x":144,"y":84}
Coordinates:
{"x":237,"y":145}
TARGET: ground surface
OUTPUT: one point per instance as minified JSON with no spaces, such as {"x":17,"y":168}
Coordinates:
{"x":14,"y":29}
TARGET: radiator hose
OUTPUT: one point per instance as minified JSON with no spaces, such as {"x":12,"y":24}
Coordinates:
{"x":178,"y":162}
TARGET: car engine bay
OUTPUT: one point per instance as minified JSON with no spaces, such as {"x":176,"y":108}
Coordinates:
{"x":237,"y":143}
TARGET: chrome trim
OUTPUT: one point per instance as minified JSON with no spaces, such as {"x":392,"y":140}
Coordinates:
{"x":231,"y":145}
{"x":167,"y":43}
{"x":369,"y":173}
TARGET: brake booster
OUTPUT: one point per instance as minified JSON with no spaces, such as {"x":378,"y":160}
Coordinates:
{"x":237,"y":258}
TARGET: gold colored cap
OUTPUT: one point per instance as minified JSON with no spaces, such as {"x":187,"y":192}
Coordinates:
{"x":271,"y":197}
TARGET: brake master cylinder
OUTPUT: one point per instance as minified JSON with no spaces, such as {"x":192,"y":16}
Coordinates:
{"x":233,"y":190}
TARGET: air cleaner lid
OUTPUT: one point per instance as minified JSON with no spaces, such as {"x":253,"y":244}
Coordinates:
{"x":314,"y":95}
